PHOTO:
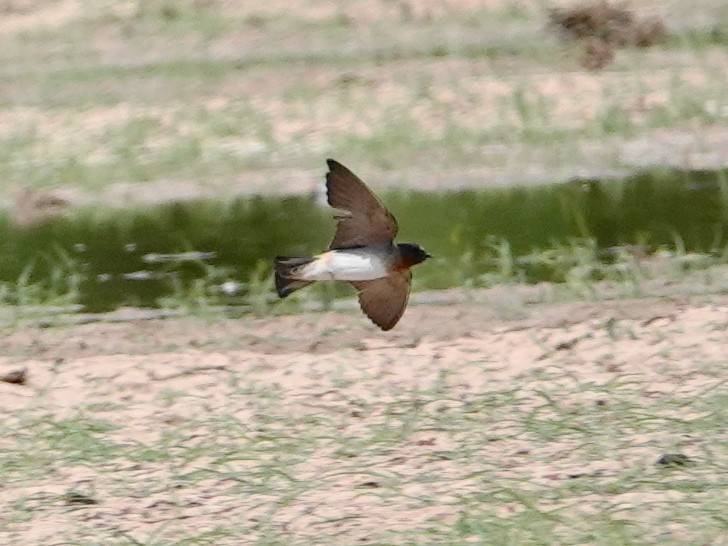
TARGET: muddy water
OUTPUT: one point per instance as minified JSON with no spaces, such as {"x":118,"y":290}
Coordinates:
{"x":136,"y":257}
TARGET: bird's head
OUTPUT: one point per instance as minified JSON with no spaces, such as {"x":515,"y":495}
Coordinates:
{"x":412,"y":253}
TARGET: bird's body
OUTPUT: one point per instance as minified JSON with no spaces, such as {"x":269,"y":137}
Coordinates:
{"x":362,"y":252}
{"x":355,"y":264}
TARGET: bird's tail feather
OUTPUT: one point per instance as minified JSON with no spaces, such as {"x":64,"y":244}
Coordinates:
{"x":285,"y":274}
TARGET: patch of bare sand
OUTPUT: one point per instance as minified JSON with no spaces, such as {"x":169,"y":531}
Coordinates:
{"x":368,"y":11}
{"x":346,"y":377}
{"x":29,"y":16}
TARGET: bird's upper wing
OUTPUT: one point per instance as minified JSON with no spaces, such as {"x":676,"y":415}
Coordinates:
{"x":384,"y":300}
{"x":367,"y":221}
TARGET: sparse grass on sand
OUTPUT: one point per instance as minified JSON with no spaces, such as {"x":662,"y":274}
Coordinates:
{"x":460,"y":427}
{"x":162,"y":100}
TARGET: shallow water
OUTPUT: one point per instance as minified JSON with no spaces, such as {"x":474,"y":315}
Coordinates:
{"x":135,"y":257}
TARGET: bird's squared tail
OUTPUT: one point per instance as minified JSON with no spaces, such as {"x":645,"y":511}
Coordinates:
{"x":285,"y":274}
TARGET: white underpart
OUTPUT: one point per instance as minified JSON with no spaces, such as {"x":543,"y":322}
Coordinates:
{"x":343,"y":266}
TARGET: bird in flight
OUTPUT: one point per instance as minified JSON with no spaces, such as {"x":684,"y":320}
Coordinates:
{"x":362,"y":252}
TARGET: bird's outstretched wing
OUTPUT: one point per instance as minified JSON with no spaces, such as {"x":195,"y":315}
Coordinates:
{"x":384,"y":300}
{"x":366,"y":220}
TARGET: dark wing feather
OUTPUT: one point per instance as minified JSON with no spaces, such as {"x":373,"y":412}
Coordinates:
{"x":367,"y":221}
{"x":384,"y":300}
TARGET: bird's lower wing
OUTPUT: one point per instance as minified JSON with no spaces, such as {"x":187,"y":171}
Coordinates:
{"x":384,"y":300}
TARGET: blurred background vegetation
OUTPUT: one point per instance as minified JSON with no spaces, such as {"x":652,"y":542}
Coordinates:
{"x":156,"y":152}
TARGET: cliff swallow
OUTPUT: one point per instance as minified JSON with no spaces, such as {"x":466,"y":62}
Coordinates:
{"x":362,"y":252}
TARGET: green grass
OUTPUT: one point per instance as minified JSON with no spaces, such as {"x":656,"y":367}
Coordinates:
{"x":627,"y":233}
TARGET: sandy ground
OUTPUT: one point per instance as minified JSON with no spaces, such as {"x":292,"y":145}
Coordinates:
{"x":341,"y":373}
